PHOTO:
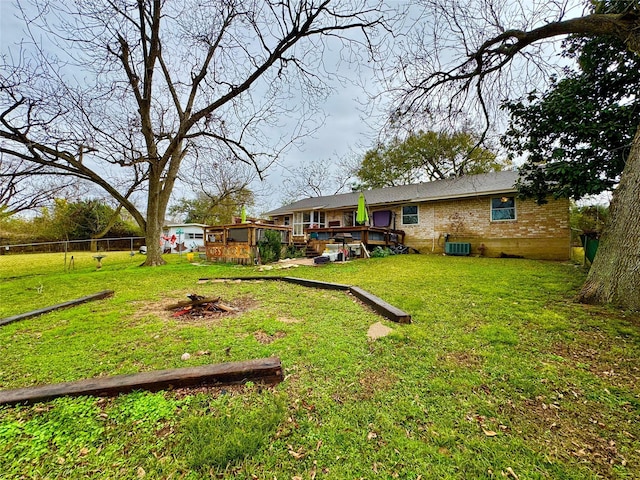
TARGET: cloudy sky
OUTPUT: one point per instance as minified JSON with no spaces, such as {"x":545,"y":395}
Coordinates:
{"x":348,"y":127}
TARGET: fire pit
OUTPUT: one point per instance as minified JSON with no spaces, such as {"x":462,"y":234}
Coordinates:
{"x":199,"y":307}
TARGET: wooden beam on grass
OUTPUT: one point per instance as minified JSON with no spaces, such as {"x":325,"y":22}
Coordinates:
{"x":70,"y":303}
{"x":261,"y":370}
{"x":383,"y":308}
{"x":380,"y":306}
{"x":316,"y":283}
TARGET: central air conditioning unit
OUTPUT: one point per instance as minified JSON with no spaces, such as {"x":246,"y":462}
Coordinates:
{"x":457,"y":248}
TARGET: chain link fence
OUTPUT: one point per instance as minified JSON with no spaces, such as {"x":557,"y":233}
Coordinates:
{"x":89,"y":245}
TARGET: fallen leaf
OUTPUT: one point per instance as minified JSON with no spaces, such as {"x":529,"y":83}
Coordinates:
{"x":141,"y":473}
{"x":83,"y":451}
{"x":511,"y":473}
{"x":489,"y":433}
{"x":296,"y":455}
{"x":372,"y":435}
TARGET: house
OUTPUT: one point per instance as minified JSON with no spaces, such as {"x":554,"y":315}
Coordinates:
{"x":481,"y":211}
{"x":183,"y":237}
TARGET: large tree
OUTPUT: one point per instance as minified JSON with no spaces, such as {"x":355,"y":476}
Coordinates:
{"x":425,"y":156}
{"x":488,"y":38}
{"x":576,"y":135}
{"x":142,"y":85}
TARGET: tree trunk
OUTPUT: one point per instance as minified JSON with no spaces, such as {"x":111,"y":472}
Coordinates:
{"x":152,"y":239}
{"x":155,"y":221}
{"x":615,"y":274}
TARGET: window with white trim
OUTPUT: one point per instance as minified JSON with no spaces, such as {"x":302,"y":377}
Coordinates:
{"x":410,"y":215}
{"x":503,"y":209}
{"x":304,"y":220}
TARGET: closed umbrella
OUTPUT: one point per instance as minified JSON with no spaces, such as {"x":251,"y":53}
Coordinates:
{"x":362,"y":216}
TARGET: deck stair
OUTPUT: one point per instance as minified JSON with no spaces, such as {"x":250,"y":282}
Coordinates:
{"x":310,"y":252}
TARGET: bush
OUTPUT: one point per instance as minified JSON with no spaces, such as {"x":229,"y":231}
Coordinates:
{"x":293,"y":252}
{"x":380,"y":252}
{"x":271,"y":247}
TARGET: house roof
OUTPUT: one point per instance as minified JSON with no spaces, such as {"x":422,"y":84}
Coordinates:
{"x":459,"y":187}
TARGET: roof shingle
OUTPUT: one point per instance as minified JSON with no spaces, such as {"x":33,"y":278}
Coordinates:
{"x":458,"y":187}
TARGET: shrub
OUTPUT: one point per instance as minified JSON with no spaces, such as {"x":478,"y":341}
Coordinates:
{"x":271,"y":247}
{"x":380,"y":252}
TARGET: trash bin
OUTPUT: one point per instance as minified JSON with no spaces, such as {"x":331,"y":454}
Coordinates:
{"x":590,"y":244}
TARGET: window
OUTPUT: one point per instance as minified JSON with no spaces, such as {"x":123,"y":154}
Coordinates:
{"x":349,"y":218}
{"x":503,"y":208}
{"x":238,"y":235}
{"x":194,"y":236}
{"x":304,"y":220}
{"x":410,"y":215}
{"x":286,"y":221}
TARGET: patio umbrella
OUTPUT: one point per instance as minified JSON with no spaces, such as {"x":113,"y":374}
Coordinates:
{"x":243,"y":214}
{"x":362,"y":216}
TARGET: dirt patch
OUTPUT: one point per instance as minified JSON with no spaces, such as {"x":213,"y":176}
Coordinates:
{"x":297,"y":261}
{"x":462,"y":359}
{"x":375,"y":381}
{"x":265,"y":339}
{"x":289,"y":320}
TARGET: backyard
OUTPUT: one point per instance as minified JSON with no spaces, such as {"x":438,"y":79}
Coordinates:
{"x":500,"y":375}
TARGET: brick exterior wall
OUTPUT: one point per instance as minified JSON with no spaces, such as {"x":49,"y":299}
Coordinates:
{"x":539,"y":231}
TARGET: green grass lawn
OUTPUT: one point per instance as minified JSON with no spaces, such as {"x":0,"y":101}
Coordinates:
{"x":500,"y":375}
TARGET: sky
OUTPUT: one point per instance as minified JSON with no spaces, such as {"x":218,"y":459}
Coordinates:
{"x":346,"y":127}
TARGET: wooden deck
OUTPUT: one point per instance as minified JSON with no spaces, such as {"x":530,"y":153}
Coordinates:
{"x":370,"y":237}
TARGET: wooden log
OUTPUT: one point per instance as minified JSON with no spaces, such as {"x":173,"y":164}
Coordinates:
{"x":192,"y":303}
{"x":383,"y":308}
{"x":70,"y":303}
{"x":234,"y":279}
{"x":226,"y":308}
{"x":316,"y":283}
{"x":263,"y":370}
